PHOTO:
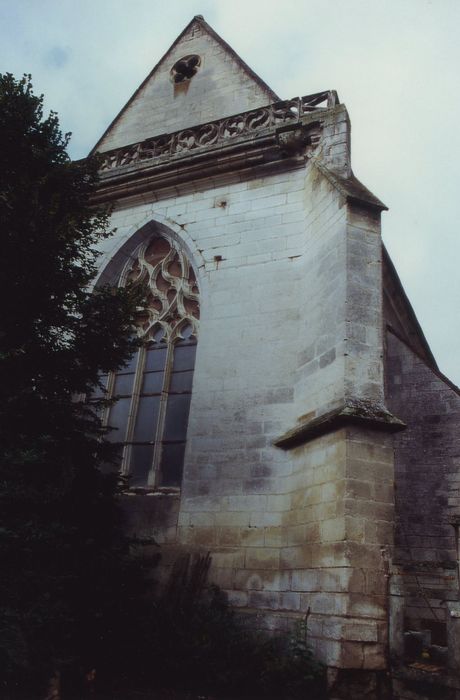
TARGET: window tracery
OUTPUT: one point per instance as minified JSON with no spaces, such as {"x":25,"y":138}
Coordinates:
{"x":153,"y":389}
{"x":185,"y":68}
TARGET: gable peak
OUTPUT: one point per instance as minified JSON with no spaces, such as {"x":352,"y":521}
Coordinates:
{"x":200,"y":78}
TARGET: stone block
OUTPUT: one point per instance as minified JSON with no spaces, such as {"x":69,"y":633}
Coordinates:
{"x":370,"y":607}
{"x":359,"y":489}
{"x":289,"y":601}
{"x":274,"y":536}
{"x":352,"y":655}
{"x":252,"y":536}
{"x":305,"y":580}
{"x":262,"y":558}
{"x":324,"y":603}
{"x":330,"y":554}
{"x":263,"y":599}
{"x":333,"y":530}
{"x":329,"y":651}
{"x":238,"y":599}
{"x":203,"y":536}
{"x":354,"y":528}
{"x":379,"y":532}
{"x":296,"y":557}
{"x":360,"y":631}
{"x":231,"y":519}
{"x":200,"y":519}
{"x":228,"y":536}
{"x":374,"y":657}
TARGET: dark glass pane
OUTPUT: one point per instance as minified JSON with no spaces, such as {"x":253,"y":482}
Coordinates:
{"x":123,"y":384}
{"x":131,"y":364}
{"x":184,"y":357}
{"x":146,"y":421}
{"x":152,"y":382}
{"x":176,"y":417}
{"x":141,"y":464}
{"x":171,"y":465}
{"x":155,"y":358}
{"x":118,"y":418}
{"x":159,"y":335}
{"x":181,"y":381}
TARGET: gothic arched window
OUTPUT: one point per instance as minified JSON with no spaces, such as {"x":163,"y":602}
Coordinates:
{"x":153,"y":390}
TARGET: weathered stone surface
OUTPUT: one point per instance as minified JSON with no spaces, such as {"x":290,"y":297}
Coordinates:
{"x":426,"y":470}
{"x":294,"y":463}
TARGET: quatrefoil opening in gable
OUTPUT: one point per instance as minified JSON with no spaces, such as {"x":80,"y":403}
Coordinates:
{"x":183,"y":71}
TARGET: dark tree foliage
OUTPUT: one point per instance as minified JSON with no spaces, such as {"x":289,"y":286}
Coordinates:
{"x":65,"y":566}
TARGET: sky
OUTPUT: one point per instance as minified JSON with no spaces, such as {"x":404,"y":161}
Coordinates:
{"x":394,"y":63}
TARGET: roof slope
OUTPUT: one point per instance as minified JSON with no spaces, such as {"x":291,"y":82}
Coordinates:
{"x":222,"y":86}
{"x":399,"y":315}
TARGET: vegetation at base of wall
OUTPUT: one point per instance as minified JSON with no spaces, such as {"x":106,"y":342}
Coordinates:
{"x":210,"y":650}
{"x":192,"y":641}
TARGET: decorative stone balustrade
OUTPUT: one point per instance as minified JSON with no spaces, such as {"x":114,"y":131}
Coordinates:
{"x":212,"y":133}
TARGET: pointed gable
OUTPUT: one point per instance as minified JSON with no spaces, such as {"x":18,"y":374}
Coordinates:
{"x":221,"y":85}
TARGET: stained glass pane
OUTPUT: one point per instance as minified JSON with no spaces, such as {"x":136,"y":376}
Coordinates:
{"x":159,"y":334}
{"x":141,"y":464}
{"x":186,"y":331}
{"x":171,"y":466}
{"x":181,"y":381}
{"x":184,"y":357}
{"x":147,"y":417}
{"x":177,"y":411}
{"x":152,"y":382}
{"x":118,"y":419}
{"x":123,"y":384}
{"x":155,"y":358}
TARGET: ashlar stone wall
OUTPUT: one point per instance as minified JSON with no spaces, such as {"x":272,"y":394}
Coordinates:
{"x":427,"y":462}
{"x":282,"y":262}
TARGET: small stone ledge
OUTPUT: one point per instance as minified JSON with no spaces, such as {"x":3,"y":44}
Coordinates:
{"x":354,"y":412}
{"x":169,"y":491}
{"x":349,"y":187}
{"x":427,"y":680}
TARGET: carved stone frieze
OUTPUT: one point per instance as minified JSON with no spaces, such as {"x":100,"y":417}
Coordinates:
{"x":249,"y":123}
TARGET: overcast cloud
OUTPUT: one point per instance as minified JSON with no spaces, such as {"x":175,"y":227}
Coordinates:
{"x":394,"y":63}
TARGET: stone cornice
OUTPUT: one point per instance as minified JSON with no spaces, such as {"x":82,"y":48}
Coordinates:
{"x":352,"y":413}
{"x":282,"y":131}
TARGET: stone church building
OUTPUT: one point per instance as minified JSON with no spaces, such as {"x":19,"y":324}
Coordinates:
{"x":286,"y":413}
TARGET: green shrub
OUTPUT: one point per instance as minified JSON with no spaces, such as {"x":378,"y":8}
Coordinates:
{"x":193,"y":641}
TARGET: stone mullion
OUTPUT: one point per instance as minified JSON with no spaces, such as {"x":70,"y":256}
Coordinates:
{"x":132,"y":415}
{"x":109,"y":394}
{"x":155,"y":472}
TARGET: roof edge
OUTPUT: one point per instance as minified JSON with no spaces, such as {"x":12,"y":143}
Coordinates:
{"x":442,"y":377}
{"x":387,"y":261}
{"x":207,"y":27}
